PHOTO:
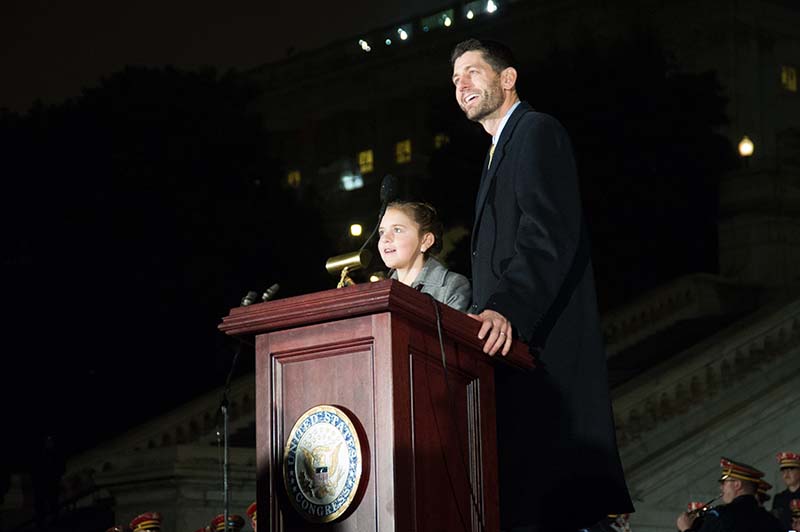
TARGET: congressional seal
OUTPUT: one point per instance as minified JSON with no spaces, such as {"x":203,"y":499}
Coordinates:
{"x":322,"y":464}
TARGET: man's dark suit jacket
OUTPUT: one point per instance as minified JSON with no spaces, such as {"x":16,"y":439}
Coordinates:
{"x":530,"y":262}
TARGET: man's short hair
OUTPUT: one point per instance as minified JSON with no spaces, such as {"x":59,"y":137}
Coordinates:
{"x":749,"y":487}
{"x":498,"y":55}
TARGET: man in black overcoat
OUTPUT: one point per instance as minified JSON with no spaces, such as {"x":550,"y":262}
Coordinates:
{"x":532,"y":278}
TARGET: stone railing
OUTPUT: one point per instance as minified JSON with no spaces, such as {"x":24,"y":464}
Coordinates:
{"x":737,"y":358}
{"x":688,"y":297}
{"x":194,"y":421}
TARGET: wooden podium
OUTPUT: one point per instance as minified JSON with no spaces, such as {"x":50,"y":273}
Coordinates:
{"x":373,"y":349}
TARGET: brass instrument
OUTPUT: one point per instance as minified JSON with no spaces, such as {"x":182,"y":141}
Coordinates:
{"x":700,"y":512}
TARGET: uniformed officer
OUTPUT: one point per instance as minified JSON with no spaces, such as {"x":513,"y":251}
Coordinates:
{"x":762,"y":492}
{"x":795,"y":507}
{"x":790,"y":471}
{"x":235,"y":523}
{"x":251,"y":513}
{"x":146,"y":522}
{"x":740,"y":511}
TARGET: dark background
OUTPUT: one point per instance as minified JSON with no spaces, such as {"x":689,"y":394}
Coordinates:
{"x":138,"y":204}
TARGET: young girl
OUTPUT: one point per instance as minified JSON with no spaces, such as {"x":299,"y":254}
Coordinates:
{"x":409,"y":233}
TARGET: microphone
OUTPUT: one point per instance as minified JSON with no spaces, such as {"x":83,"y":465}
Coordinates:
{"x":249,"y":299}
{"x":388,"y":193}
{"x":388,"y":188}
{"x":270,"y":292}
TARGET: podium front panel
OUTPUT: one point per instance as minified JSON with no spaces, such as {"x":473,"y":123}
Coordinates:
{"x":430,"y":460}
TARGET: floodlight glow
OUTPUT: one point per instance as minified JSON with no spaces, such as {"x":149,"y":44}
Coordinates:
{"x":746,"y":147}
{"x":388,"y":42}
{"x":356,"y":229}
{"x":470,"y":14}
{"x":364,"y":45}
{"x":447,"y":22}
{"x":402,"y":33}
{"x":491,"y":7}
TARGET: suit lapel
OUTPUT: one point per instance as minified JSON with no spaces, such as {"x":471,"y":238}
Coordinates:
{"x":487,"y":176}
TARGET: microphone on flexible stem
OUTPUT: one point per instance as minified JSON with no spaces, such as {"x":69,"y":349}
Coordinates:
{"x":389,"y":188}
{"x":270,"y":292}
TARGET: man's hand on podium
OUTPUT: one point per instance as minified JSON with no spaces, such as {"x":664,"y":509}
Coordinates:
{"x":498,"y":329}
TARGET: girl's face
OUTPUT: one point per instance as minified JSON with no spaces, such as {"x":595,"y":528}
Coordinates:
{"x":400,"y":243}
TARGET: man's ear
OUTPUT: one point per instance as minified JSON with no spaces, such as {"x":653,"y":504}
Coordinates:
{"x":508,"y":78}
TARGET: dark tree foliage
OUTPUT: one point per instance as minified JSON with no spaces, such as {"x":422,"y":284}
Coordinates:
{"x":649,"y":156}
{"x":142,"y":211}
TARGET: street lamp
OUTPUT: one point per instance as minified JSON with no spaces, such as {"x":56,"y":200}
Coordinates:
{"x":746,"y":147}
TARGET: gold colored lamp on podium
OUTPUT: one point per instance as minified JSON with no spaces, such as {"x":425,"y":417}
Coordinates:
{"x":346,"y":263}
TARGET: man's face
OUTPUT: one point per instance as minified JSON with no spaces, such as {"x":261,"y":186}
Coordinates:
{"x":479,"y":91}
{"x":791,"y":477}
{"x":728,"y":490}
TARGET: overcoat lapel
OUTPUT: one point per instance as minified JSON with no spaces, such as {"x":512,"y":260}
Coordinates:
{"x":487,"y":176}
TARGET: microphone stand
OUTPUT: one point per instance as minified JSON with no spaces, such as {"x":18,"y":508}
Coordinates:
{"x":225,"y":463}
{"x":377,"y":226}
{"x":389,"y":187}
{"x":223,"y":408}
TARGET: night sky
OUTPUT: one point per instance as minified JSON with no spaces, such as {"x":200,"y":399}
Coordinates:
{"x":110,"y":303}
{"x":50,"y":50}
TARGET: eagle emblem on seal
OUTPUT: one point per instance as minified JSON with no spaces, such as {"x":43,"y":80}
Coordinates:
{"x":321,"y":473}
{"x":322,"y":464}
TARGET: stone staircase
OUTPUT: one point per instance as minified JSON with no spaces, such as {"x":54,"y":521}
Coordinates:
{"x":734,"y":393}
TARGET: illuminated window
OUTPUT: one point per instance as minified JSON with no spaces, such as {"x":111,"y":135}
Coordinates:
{"x":352,"y":182}
{"x":789,"y":78}
{"x":293,"y":178}
{"x":366,"y":161}
{"x":440,"y":140}
{"x":402,"y":151}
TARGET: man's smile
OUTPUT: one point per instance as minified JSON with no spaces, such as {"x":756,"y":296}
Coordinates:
{"x":469,"y":98}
